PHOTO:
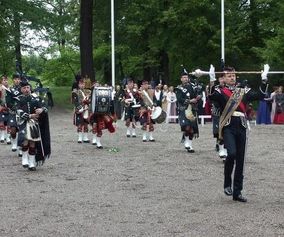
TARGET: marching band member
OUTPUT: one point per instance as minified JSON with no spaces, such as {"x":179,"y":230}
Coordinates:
{"x":81,"y":101}
{"x":11,"y":99}
{"x":146,"y":111}
{"x":215,"y":120}
{"x":187,"y":99}
{"x":102,"y":120}
{"x":233,"y":125}
{"x":34,"y":136}
{"x":131,"y":97}
{"x":4,"y":114}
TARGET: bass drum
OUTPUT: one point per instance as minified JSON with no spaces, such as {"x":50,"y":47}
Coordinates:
{"x":158,"y":115}
{"x":101,"y":100}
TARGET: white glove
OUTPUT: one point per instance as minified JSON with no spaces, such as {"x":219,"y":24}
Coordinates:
{"x":265,"y":72}
{"x":198,"y":73}
{"x":212,"y":73}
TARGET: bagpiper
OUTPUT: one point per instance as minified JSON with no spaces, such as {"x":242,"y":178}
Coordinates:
{"x":33,"y":124}
{"x":216,"y":117}
{"x":187,"y":100}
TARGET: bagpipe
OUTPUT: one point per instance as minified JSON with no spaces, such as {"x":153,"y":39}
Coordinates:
{"x":42,"y":92}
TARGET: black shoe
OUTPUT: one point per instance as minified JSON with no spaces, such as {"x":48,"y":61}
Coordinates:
{"x":14,"y":150}
{"x":133,"y":135}
{"x":240,"y":198}
{"x":87,"y":141}
{"x":144,"y":140}
{"x":99,"y":147}
{"x":127,"y":135}
{"x":26,"y":166}
{"x":32,"y":169}
{"x":2,"y":141}
{"x":190,"y":150}
{"x":79,"y":142}
{"x":8,"y":143}
{"x":152,"y":140}
{"x":228,"y":191}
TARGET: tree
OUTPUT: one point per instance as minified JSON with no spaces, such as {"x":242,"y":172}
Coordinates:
{"x":86,"y":42}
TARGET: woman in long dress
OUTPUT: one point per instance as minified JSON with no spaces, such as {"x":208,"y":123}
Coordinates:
{"x":164,"y":100}
{"x":263,"y":112}
{"x":273,"y":103}
{"x":279,"y":114}
{"x":171,"y":108}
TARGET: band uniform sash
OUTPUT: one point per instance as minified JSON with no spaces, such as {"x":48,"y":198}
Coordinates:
{"x":228,"y":93}
{"x":233,"y":103}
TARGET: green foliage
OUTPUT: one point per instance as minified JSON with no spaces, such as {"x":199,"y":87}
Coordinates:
{"x":60,"y":70}
{"x":62,"y":96}
{"x":188,"y":31}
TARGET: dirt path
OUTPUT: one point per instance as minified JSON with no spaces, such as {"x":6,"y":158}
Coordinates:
{"x":145,"y":189}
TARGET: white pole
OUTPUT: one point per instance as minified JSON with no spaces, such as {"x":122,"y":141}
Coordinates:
{"x":222,"y":31}
{"x":112,"y":46}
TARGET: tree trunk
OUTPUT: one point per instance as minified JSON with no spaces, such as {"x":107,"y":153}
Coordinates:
{"x":254,"y":19}
{"x":164,"y":64}
{"x":147,"y":73}
{"x":86,"y":47}
{"x":18,"y":44}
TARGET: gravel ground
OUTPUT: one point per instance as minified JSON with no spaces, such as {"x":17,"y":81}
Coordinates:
{"x":144,"y":189}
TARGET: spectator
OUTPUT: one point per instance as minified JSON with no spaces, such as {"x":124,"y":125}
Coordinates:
{"x":164,"y":100}
{"x":273,"y":103}
{"x":171,"y":109}
{"x":279,"y":114}
{"x":158,"y":96}
{"x":263,"y":112}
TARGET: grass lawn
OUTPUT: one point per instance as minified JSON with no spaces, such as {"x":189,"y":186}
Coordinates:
{"x":62,"y":97}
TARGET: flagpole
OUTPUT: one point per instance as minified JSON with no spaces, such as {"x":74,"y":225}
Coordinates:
{"x":222,"y":31}
{"x":112,"y":46}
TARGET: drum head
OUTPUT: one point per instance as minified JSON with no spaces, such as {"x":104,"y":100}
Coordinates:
{"x":101,"y":99}
{"x":157,"y":112}
{"x":162,"y":117}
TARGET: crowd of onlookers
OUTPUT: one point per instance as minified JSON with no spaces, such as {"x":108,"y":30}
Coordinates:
{"x":271,"y":109}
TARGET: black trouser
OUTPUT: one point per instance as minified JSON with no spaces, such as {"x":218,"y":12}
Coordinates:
{"x":235,"y":143}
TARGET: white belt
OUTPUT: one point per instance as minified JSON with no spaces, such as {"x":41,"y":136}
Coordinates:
{"x":238,"y":114}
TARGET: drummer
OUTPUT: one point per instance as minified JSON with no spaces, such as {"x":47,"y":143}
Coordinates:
{"x":146,"y":111}
{"x":131,"y":102}
{"x":101,"y":120}
{"x":81,"y":101}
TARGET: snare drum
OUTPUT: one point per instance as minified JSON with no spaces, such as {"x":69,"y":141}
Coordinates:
{"x":101,"y":100}
{"x":158,"y":115}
